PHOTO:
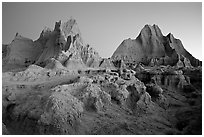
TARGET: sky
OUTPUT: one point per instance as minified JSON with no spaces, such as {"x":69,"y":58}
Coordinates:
{"x":105,"y":25}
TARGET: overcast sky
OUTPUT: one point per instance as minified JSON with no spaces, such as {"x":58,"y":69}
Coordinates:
{"x":105,"y":25}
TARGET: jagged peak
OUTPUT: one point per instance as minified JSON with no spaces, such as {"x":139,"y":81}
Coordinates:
{"x":71,"y":19}
{"x":148,"y":30}
{"x":45,"y":33}
{"x":57,"y":25}
{"x":157,"y":30}
{"x":148,"y":26}
{"x":170,"y":37}
{"x":155,"y":26}
{"x":46,"y":29}
{"x":70,"y":27}
{"x":16,"y":34}
{"x":65,"y":28}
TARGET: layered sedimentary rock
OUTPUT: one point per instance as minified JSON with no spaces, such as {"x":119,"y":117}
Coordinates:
{"x":61,"y":43}
{"x":149,"y":86}
{"x":67,"y":41}
{"x":151,"y":46}
{"x":90,"y":57}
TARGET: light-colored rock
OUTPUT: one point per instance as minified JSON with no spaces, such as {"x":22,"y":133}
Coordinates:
{"x":95,"y":99}
{"x":107,"y":64}
{"x":151,"y":45}
{"x":54,"y":64}
{"x":22,"y":51}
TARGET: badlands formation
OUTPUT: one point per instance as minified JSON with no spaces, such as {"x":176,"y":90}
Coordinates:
{"x":57,"y":84}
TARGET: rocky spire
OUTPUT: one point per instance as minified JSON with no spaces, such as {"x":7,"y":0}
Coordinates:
{"x":70,"y":27}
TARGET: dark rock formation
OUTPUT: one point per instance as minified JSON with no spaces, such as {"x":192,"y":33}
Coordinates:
{"x":4,"y":130}
{"x":154,"y":90}
{"x":4,"y":50}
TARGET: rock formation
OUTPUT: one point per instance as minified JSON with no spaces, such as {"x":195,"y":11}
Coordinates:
{"x":107,"y":63}
{"x":58,"y":85}
{"x":62,"y":44}
{"x":151,"y":46}
{"x":22,"y":51}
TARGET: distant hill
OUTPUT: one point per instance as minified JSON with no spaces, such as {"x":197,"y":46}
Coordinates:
{"x":151,"y":44}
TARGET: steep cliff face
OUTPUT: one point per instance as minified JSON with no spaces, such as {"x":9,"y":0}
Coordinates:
{"x":51,"y":49}
{"x":151,"y":44}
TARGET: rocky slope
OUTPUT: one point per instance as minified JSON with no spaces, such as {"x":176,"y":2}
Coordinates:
{"x":153,"y":101}
{"x":57,"y":85}
{"x":21,"y":51}
{"x":151,"y":45}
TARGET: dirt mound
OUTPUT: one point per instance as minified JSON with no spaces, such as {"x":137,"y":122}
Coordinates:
{"x":107,"y":64}
{"x":95,"y":99}
{"x":54,"y":64}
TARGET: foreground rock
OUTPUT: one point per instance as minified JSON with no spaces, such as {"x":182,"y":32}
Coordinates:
{"x":101,"y":100}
